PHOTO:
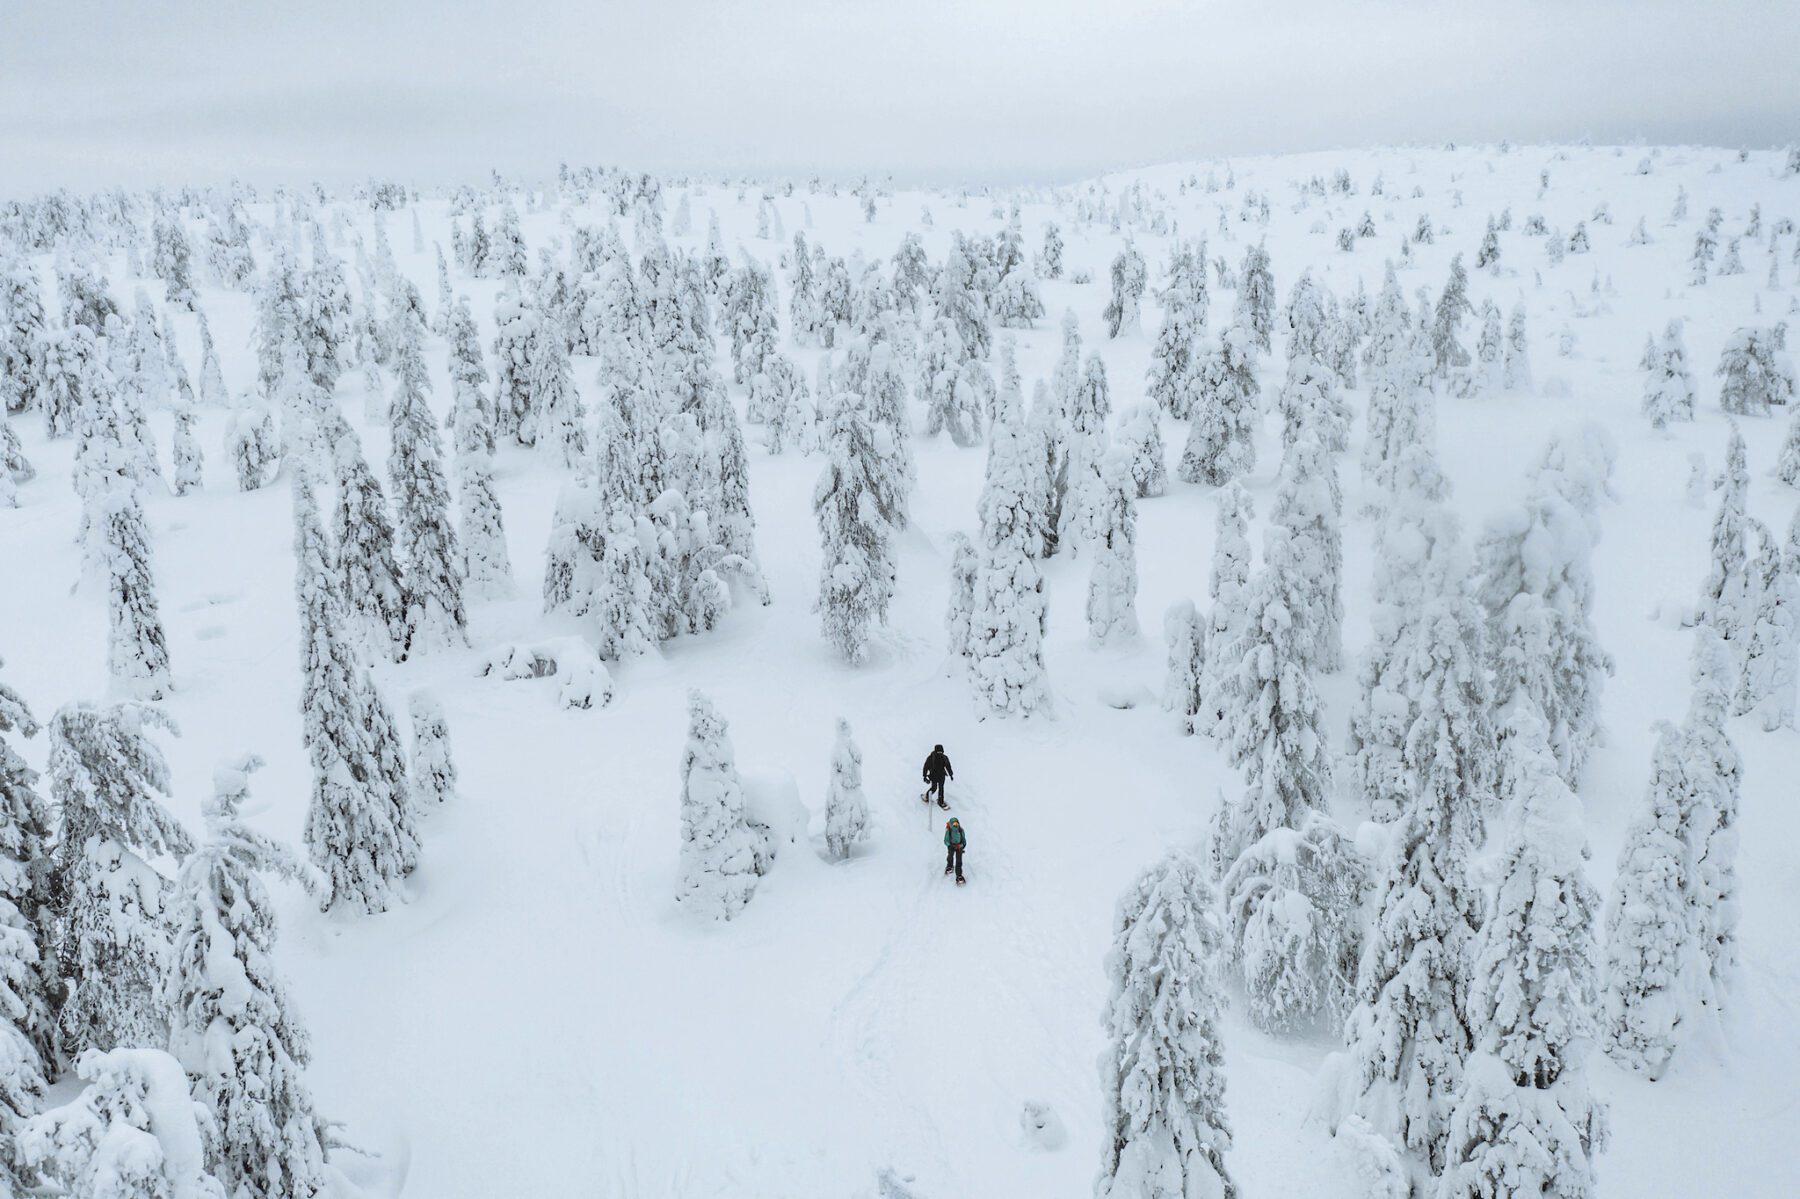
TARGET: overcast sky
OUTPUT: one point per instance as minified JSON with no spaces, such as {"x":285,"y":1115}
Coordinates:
{"x":986,"y":90}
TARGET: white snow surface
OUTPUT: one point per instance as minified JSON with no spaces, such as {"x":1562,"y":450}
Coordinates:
{"x":540,"y":1018}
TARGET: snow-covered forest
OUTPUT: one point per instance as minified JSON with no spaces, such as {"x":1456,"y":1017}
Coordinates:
{"x":466,"y":656}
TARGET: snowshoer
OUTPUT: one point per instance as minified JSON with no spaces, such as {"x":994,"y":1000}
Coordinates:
{"x":954,"y":841}
{"x":937,"y":769}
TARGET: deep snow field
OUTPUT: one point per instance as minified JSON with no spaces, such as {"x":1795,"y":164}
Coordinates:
{"x":539,"y":1019}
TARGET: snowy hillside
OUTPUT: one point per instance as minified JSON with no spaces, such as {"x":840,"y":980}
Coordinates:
{"x":537,"y":1014}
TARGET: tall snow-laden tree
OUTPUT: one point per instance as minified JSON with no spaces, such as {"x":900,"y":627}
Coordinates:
{"x":856,"y":575}
{"x":1256,"y":297}
{"x":1292,"y":904}
{"x":1271,"y":710}
{"x":1163,"y":1072}
{"x":134,"y":1132}
{"x":1130,"y":278}
{"x":427,"y":540}
{"x":1525,"y":1121}
{"x":1449,"y":356}
{"x":137,"y":654}
{"x":965,"y":565}
{"x":1308,"y":504}
{"x":363,"y":534}
{"x":722,"y":855}
{"x":1227,"y":586}
{"x":1112,"y":581}
{"x":359,"y":825}
{"x":1006,"y":632}
{"x":1516,"y":363}
{"x":1772,"y":659}
{"x":234,"y":1027}
{"x":846,"y":808}
{"x":27,"y":926}
{"x":1184,"y":633}
{"x":112,"y":935}
{"x":1755,"y":372}
{"x":1086,"y":449}
{"x":1220,"y":446}
{"x":1174,"y":365}
{"x":1651,"y":946}
{"x":1725,"y":593}
{"x":1669,"y":388}
{"x":1140,"y":438}
{"x":22,"y":330}
{"x":1412,"y":1029}
{"x":1714,"y":774}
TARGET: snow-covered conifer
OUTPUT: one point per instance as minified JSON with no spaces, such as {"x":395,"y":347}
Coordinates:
{"x":846,"y":808}
{"x":1185,"y":635}
{"x":137,"y":655}
{"x":1525,"y":1120}
{"x":1490,"y":350}
{"x":1756,"y":372}
{"x":1174,"y":365}
{"x":1256,"y":298}
{"x":431,"y":769}
{"x":1140,"y":438}
{"x":212,"y":382}
{"x":1669,"y":390}
{"x":233,"y":1026}
{"x":1309,"y":505}
{"x":22,"y":329}
{"x":1725,"y":594}
{"x":112,"y":937}
{"x":135,"y":1132}
{"x":1310,"y":404}
{"x":555,"y":418}
{"x":27,"y":970}
{"x":363,"y":534}
{"x":359,"y":826}
{"x":856,"y":576}
{"x":1450,"y":358}
{"x":722,"y":855}
{"x":1219,"y":445}
{"x":1650,"y":936}
{"x":964,"y":566}
{"x":1112,"y":581}
{"x":427,"y":539}
{"x":1130,"y":278}
{"x":1163,"y":1072}
{"x":1271,"y":710}
{"x":1006,"y":633}
{"x":1714,"y":776}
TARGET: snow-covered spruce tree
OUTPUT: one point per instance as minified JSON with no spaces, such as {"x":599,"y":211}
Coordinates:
{"x":189,"y":462}
{"x":722,"y":855}
{"x":1525,"y":1121}
{"x":1184,"y":633}
{"x":1411,"y":1031}
{"x":555,"y":419}
{"x":1271,"y":710}
{"x":1773,"y":657}
{"x":1309,"y":505}
{"x":1449,"y":357}
{"x":1010,"y":504}
{"x":1490,"y":350}
{"x":233,"y":1026}
{"x":1756,"y":373}
{"x":1309,"y":403}
{"x":112,"y":938}
{"x":1219,"y":445}
{"x":940,"y":384}
{"x":27,"y":970}
{"x":70,"y":371}
{"x":359,"y":825}
{"x":856,"y":574}
{"x":1516,"y":367}
{"x":1308,"y":320}
{"x":962,"y":296}
{"x":779,"y":395}
{"x":1112,"y":580}
{"x":1163,"y":1072}
{"x":363,"y":534}
{"x":515,"y":332}
{"x":965,"y":565}
{"x":1714,"y":776}
{"x":1536,"y":582}
{"x":22,"y":329}
{"x":1650,"y":935}
{"x":1174,"y":366}
{"x":1130,"y":278}
{"x":1725,"y":593}
{"x":1410,"y":533}
{"x":1085,"y":450}
{"x":137,"y":654}
{"x":251,"y":441}
{"x":1669,"y":389}
{"x":487,"y":565}
{"x":1227,"y":586}
{"x":1140,"y":438}
{"x":431,"y":770}
{"x":1256,"y":297}
{"x":1006,"y":632}
{"x":1017,"y":304}
{"x":1292,"y":903}
{"x":135,"y":1132}
{"x":427,"y":539}
{"x":846,"y":808}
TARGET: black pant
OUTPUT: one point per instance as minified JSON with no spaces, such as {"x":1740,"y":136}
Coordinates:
{"x":953,"y":860}
{"x":934,"y":787}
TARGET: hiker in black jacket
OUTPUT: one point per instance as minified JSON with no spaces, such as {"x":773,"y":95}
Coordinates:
{"x":937,"y":769}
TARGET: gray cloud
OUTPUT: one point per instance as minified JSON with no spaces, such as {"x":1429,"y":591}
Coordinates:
{"x":95,"y":93}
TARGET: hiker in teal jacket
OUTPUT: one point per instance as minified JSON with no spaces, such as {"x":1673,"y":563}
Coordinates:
{"x":954,"y":841}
